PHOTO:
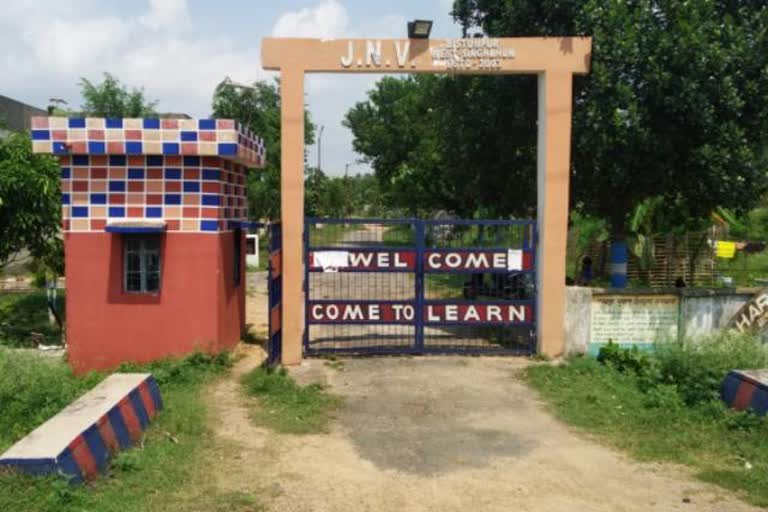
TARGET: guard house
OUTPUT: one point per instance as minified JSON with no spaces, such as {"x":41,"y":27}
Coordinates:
{"x":153,"y":213}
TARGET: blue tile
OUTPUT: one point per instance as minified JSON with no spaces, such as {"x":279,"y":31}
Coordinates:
{"x":117,"y":186}
{"x":173,"y":174}
{"x":151,"y":124}
{"x":154,"y":212}
{"x":211,"y":200}
{"x":209,"y":225}
{"x":133,"y":148}
{"x":79,"y":211}
{"x":66,"y":173}
{"x":172,"y":198}
{"x":114,"y":122}
{"x":60,"y":148}
{"x":117,"y":160}
{"x":211,"y":174}
{"x":64,"y":198}
{"x":80,"y":160}
{"x":227,"y":148}
{"x":116,"y":211}
{"x":188,"y":136}
{"x":136,"y":173}
{"x":154,"y":161}
{"x":41,"y":135}
{"x":170,"y":148}
{"x":206,"y":124}
{"x":97,"y":148}
{"x":191,"y":186}
{"x":191,"y":161}
{"x":98,"y":198}
{"x":76,"y":122}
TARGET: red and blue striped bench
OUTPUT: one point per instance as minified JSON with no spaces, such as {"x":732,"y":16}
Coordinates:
{"x":79,"y":440}
{"x":746,"y":389}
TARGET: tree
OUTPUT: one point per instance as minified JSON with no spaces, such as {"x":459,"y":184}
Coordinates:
{"x":30,"y":203}
{"x":672,"y":108}
{"x":110,"y":98}
{"x":673,"y":104}
{"x":257,"y":106}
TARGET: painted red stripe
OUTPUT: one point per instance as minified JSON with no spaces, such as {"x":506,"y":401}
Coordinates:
{"x":83,"y":457}
{"x":131,"y":419}
{"x":743,"y":396}
{"x":146,"y":398}
{"x":275,"y":320}
{"x":108,"y":435}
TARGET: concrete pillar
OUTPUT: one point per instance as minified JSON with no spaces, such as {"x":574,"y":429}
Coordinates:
{"x":553,"y":176}
{"x":292,"y":210}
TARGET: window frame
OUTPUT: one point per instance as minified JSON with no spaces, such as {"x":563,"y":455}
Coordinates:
{"x":143,"y":253}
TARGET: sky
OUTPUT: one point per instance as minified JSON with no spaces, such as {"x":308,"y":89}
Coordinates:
{"x":178,"y":50}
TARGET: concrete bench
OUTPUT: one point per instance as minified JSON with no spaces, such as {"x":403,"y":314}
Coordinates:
{"x":79,"y":440}
{"x":746,"y":389}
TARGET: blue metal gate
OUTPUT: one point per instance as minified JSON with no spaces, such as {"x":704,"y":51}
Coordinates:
{"x":275,"y":292}
{"x":409,"y":286}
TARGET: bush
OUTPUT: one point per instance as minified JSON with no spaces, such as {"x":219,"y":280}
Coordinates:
{"x":698,"y":368}
{"x":624,"y":359}
{"x":32,"y":389}
{"x":695,"y":369}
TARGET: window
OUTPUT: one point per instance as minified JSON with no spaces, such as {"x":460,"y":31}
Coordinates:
{"x":141,"y":263}
{"x":238,"y":235}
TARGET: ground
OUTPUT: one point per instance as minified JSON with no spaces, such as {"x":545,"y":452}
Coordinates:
{"x":431,"y":433}
{"x":436,"y":433}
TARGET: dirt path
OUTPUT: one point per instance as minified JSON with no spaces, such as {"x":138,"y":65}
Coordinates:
{"x":436,"y":433}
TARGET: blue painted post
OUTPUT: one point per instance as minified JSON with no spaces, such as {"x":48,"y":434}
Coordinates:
{"x":618,"y":268}
{"x":419,"y":281}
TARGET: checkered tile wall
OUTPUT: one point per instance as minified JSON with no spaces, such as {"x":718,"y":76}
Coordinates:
{"x":188,"y":173}
{"x":188,"y":137}
{"x":189,"y":193}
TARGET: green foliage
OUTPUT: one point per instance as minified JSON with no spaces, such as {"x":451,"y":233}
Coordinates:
{"x":30,"y":203}
{"x":162,"y":474}
{"x":25,"y":313}
{"x":32,"y":389}
{"x":664,"y":407}
{"x":671,"y":108}
{"x":286,"y":406}
{"x":110,"y":98}
{"x":257,"y":106}
{"x":624,"y":359}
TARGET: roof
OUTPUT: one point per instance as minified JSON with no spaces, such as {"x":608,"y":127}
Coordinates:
{"x":224,"y":138}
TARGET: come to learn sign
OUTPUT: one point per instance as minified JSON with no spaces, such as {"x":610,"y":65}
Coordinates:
{"x":633,"y":320}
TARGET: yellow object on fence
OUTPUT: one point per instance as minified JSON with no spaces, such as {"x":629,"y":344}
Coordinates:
{"x":725,"y":249}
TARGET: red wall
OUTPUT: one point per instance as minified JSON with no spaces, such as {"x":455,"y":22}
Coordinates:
{"x":198,"y":306}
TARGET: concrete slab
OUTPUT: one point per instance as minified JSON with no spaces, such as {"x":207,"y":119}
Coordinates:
{"x":79,"y":440}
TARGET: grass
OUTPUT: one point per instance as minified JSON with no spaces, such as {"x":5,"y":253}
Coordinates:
{"x":163,"y":474}
{"x":665,"y":407}
{"x":25,"y":313}
{"x":287,"y":407}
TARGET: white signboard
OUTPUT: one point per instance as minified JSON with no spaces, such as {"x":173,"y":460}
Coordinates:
{"x":635,"y":319}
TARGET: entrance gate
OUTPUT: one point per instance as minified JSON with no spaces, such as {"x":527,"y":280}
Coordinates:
{"x":408,"y":286}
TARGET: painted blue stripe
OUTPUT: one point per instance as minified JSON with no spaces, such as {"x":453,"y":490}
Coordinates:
{"x":41,"y":466}
{"x":119,"y":427}
{"x":154,"y":161}
{"x":41,"y":135}
{"x":206,"y":124}
{"x":68,"y":466}
{"x":759,"y":402}
{"x":209,"y":225}
{"x":154,"y":392}
{"x":76,"y":122}
{"x":114,"y":122}
{"x":134,"y":229}
{"x":97,"y":446}
{"x":151,"y":124}
{"x":138,"y":407}
{"x":730,"y":387}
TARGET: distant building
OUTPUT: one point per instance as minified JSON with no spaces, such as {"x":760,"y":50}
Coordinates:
{"x":15,"y":115}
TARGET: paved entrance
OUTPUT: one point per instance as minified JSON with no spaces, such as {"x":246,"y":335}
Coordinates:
{"x":452,"y":434}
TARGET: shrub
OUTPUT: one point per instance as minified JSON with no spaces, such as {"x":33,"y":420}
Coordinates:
{"x":624,"y":359}
{"x":698,"y":368}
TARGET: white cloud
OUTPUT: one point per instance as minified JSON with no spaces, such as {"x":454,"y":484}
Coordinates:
{"x":326,"y":20}
{"x":155,"y":48}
